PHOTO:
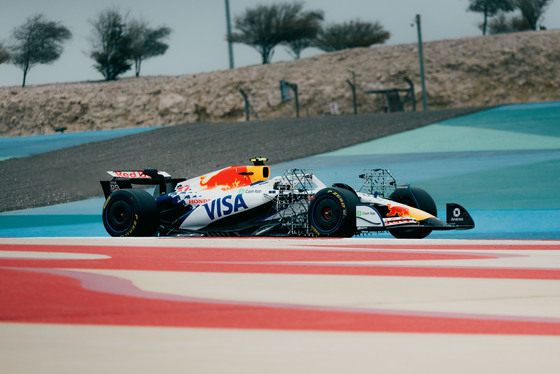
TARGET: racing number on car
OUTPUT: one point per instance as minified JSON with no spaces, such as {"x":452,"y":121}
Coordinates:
{"x":113,"y":186}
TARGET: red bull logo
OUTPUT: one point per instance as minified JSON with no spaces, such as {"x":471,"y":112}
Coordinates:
{"x":227,"y":179}
{"x":396,"y":210}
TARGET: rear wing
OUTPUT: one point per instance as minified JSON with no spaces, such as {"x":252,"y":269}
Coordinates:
{"x":139,"y":174}
{"x":148,"y":177}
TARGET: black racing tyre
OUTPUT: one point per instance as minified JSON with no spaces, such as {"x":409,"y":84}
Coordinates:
{"x":332,"y":212}
{"x":417,"y":198}
{"x":130,"y":212}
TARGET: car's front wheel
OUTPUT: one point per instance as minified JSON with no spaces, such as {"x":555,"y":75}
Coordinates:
{"x":332,"y":212}
{"x":417,"y":198}
{"x":130,"y":212}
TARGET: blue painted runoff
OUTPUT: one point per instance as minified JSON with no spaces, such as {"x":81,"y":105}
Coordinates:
{"x":30,"y":145}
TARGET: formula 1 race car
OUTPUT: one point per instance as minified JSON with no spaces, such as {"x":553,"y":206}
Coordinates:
{"x":245,"y":201}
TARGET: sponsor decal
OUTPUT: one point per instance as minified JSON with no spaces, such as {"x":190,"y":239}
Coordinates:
{"x":130,"y":174}
{"x":227,"y":179}
{"x":395,"y":210}
{"x":367,"y":217}
{"x":106,"y":202}
{"x":365,"y":213}
{"x":133,"y":225}
{"x":182,"y":188}
{"x":398,"y":221}
{"x":225,"y":206}
{"x":457,"y":215}
{"x":134,"y":174}
{"x":198,"y":201}
{"x":254,"y":190}
{"x":339,"y":197}
{"x":129,"y":232}
{"x":315,"y":230}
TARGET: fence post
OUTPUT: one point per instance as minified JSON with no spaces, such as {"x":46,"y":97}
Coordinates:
{"x":247,"y":113}
{"x":353,"y":87}
{"x":285,"y":91}
{"x":407,"y":80}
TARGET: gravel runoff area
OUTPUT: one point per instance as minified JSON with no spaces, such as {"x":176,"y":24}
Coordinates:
{"x":73,"y":174}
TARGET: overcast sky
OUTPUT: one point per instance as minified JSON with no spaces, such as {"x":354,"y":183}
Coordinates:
{"x":197,"y":43}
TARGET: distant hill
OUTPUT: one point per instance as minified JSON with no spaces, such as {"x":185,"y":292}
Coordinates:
{"x":467,"y":72}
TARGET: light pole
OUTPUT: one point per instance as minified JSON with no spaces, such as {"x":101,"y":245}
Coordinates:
{"x":230,"y":45}
{"x":421,"y":57}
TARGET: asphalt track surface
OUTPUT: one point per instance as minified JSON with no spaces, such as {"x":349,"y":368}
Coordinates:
{"x":359,"y":305}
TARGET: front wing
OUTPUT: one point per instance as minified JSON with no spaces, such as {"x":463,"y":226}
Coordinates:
{"x":369,"y":219}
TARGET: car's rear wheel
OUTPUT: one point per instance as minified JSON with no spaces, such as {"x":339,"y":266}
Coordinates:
{"x":417,"y":198}
{"x":130,"y":212}
{"x":332,"y":212}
